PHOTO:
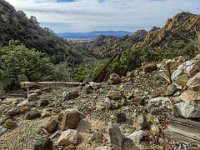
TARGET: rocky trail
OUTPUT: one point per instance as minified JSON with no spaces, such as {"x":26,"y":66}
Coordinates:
{"x":140,"y":111}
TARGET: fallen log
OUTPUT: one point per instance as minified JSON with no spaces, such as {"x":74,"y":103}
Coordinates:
{"x":183,"y":131}
{"x":49,"y":84}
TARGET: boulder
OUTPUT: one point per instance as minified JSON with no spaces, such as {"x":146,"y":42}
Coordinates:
{"x":194,"y":82}
{"x":43,"y":144}
{"x":150,"y":67}
{"x":188,"y":110}
{"x":171,"y":89}
{"x":114,"y":95}
{"x":69,"y":137}
{"x":32,"y":97}
{"x":33,"y":115}
{"x":71,"y":119}
{"x":114,"y":79}
{"x":189,"y":95}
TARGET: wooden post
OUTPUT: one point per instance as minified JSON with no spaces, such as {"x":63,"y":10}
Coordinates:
{"x":169,"y":72}
{"x":98,"y":75}
{"x":27,"y":91}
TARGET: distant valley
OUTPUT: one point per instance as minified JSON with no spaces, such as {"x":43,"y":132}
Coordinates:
{"x":92,"y":35}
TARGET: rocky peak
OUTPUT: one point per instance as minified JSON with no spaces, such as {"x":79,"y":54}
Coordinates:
{"x":184,"y":26}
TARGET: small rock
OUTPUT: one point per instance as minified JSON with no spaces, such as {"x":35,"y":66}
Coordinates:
{"x":70,"y":95}
{"x":32,"y":96}
{"x":23,"y":103}
{"x":136,"y":136}
{"x":38,"y":91}
{"x":70,"y":147}
{"x":160,"y":103}
{"x":97,"y":137}
{"x":2,"y":130}
{"x":69,"y":137}
{"x":188,"y":110}
{"x":100,"y":106}
{"x":189,"y":95}
{"x":171,"y":89}
{"x":51,"y":126}
{"x":114,"y":79}
{"x":43,"y":144}
{"x":150,"y":67}
{"x":182,"y":79}
{"x":114,"y":95}
{"x":177,"y":73}
{"x":71,"y":119}
{"x":194,"y":83}
{"x":116,"y":137}
{"x":45,"y":113}
{"x":101,"y":148}
{"x":44,"y":103}
{"x":94,"y":85}
{"x":3,"y":119}
{"x":13,"y":112}
{"x":191,"y":70}
{"x":10,"y":124}
{"x":120,"y":117}
{"x":33,"y":115}
{"x":155,"y":130}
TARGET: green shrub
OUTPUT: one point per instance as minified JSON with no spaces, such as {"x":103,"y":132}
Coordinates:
{"x":18,"y":63}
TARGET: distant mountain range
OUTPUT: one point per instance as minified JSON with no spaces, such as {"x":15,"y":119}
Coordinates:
{"x":93,"y":34}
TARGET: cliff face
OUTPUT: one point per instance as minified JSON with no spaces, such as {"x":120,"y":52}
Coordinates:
{"x":184,"y":26}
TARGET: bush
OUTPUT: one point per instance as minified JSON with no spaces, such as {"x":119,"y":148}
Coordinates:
{"x":18,"y":63}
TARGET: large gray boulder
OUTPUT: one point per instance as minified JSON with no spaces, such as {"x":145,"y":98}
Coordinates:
{"x":188,"y":110}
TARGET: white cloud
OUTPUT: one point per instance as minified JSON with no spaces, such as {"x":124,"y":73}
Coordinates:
{"x":88,"y":15}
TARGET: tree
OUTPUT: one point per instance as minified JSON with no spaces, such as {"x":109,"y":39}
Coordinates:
{"x":18,"y":62}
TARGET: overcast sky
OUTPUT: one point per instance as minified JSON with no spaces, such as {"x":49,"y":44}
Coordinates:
{"x":98,"y":15}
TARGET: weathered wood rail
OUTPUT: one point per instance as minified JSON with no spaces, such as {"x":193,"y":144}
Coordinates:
{"x":183,"y":131}
{"x":49,"y":84}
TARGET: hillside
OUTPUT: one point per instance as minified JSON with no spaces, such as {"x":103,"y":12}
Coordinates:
{"x":91,"y":35}
{"x":16,"y":25}
{"x":106,"y":46}
{"x":183,"y":27}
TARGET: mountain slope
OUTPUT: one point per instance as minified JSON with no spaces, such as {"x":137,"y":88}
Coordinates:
{"x":183,"y":26}
{"x":106,"y":46}
{"x":16,"y":25}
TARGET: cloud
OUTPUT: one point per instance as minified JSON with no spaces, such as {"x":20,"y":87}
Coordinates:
{"x":88,"y":15}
